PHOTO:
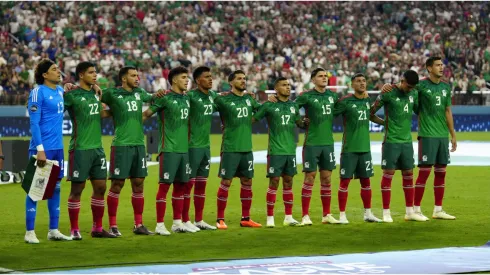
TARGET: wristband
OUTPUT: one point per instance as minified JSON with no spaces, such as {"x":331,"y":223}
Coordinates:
{"x":40,"y":147}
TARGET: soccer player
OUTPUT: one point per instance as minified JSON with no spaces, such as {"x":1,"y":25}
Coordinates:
{"x":397,"y":150}
{"x":128,"y":156}
{"x":86,"y":156}
{"x":45,"y":106}
{"x":173,"y":113}
{"x":282,"y":117}
{"x":237,"y":160}
{"x":355,"y":160}
{"x":435,"y":124}
{"x":200,"y":118}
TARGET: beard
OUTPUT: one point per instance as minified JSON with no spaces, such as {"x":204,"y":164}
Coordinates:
{"x":240,"y":89}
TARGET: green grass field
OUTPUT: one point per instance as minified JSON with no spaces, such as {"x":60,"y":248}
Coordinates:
{"x":466,"y":197}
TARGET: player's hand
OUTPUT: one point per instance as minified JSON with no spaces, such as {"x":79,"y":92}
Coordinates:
{"x":251,"y":94}
{"x":386,"y":88}
{"x":160,"y":93}
{"x":97,"y":89}
{"x":69,"y":87}
{"x":41,"y":159}
{"x":306,"y":121}
{"x":272,"y":98}
{"x":454,"y":144}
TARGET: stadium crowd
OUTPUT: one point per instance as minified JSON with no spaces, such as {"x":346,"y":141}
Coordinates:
{"x":265,"y":39}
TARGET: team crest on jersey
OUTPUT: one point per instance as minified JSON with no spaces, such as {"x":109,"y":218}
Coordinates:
{"x":411,"y":99}
{"x":248,"y":102}
{"x":166,"y":176}
{"x":444,"y":92}
{"x":293,"y":111}
{"x":211,"y":99}
{"x":137,"y":96}
{"x":75,"y":174}
{"x":96,"y":97}
{"x":117,"y":171}
{"x":330,"y":99}
{"x":271,"y":170}
{"x":188,"y":104}
{"x":367,"y":105}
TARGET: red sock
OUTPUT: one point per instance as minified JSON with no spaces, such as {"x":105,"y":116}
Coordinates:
{"x":246,"y":198}
{"x":97,"y":205}
{"x":439,"y":182}
{"x":424,"y":173}
{"x":222,"y":199}
{"x":161,"y":203}
{"x":178,"y":200}
{"x":112,"y":202}
{"x":306,"y":197}
{"x":187,"y":200}
{"x":73,"y":212}
{"x":366,"y":193}
{"x":138,"y":201}
{"x":326,"y":197}
{"x":271,"y":200}
{"x":199,"y":197}
{"x":386,"y":190}
{"x":408,"y":189}
{"x":343,"y":194}
{"x":287,"y":197}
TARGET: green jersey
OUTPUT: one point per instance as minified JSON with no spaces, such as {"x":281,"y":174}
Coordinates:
{"x":433,"y":101}
{"x":318,"y":108}
{"x":281,"y":118}
{"x":200,"y":117}
{"x":236,"y":116}
{"x":173,"y":118}
{"x":398,"y":106}
{"x":84,"y":109}
{"x":356,"y":123}
{"x":126,"y":108}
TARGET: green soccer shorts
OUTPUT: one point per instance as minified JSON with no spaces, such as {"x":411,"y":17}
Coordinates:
{"x":321,"y":157}
{"x":200,"y":161}
{"x":433,"y":151}
{"x":174,"y":167}
{"x":87,"y":164}
{"x":278,"y":165}
{"x":128,"y":162}
{"x":356,"y":165}
{"x":236,"y":164}
{"x":397,"y":156}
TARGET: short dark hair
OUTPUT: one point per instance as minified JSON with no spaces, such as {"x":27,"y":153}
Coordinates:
{"x":41,"y":68}
{"x":279,"y":79}
{"x":82,"y":67}
{"x":316,"y":71}
{"x":199,"y":71}
{"x":124,"y":71}
{"x":232,"y":76}
{"x":356,"y":76}
{"x":412,"y":77}
{"x":430,"y":61}
{"x":176,"y":71}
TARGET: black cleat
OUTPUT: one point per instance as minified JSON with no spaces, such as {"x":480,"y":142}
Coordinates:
{"x":142,"y":230}
{"x":103,"y":234}
{"x":115,"y":231}
{"x":76,"y":236}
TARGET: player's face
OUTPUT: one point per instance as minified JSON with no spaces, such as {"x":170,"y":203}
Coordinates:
{"x":205,"y":80}
{"x":132,"y":79}
{"x":53,"y":75}
{"x":181,"y":80}
{"x":359,"y":84}
{"x":239,"y":82}
{"x":321,"y":79}
{"x":283,"y":88}
{"x":90,"y":76}
{"x":437,"y":68}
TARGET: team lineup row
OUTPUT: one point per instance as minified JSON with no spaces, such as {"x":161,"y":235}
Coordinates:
{"x":186,"y":115}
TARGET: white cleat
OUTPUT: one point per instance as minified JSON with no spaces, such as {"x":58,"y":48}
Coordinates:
{"x":179,"y":227}
{"x":204,"y":226}
{"x":415,"y":217}
{"x":161,"y":229}
{"x":306,"y":220}
{"x":329,"y":219}
{"x":270,"y":222}
{"x":387,"y":218}
{"x":422,"y":215}
{"x":191,"y":227}
{"x":55,"y":235}
{"x":442,"y":215}
{"x":343,"y":220}
{"x":371,"y":218}
{"x":291,"y":222}
{"x":30,"y":237}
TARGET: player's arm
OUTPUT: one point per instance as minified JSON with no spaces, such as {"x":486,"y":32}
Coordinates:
{"x":416,"y":102}
{"x":261,"y":112}
{"x":154,"y":108}
{"x":34,"y":106}
{"x":105,"y":113}
{"x":339,"y":107}
{"x":255,"y":104}
{"x":450,"y":123}
{"x":374,"y":108}
{"x":301,"y":100}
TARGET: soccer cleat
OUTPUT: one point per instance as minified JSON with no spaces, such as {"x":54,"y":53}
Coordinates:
{"x":179,"y":227}
{"x":204,"y":226}
{"x":329,"y":219}
{"x":292,"y":222}
{"x":270,"y":222}
{"x":102,"y":234}
{"x":161,"y":229}
{"x":249,"y":223}
{"x":387,"y":218}
{"x":414,"y":217}
{"x":30,"y":237}
{"x":75,"y":235}
{"x":442,"y":215}
{"x":142,"y":230}
{"x":306,"y":220}
{"x":343,"y":220}
{"x":220,"y":224}
{"x":55,"y":235}
{"x":191,"y":227}
{"x":371,"y":218}
{"x":422,"y":215}
{"x":114,"y":230}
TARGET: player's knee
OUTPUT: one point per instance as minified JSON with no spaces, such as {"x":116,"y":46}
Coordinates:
{"x":406,"y":172}
{"x":325,"y":180}
{"x":389,"y":172}
{"x":226,"y":182}
{"x":246,"y":181}
{"x":310,"y":177}
{"x":274,"y":182}
{"x":99,"y":189}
